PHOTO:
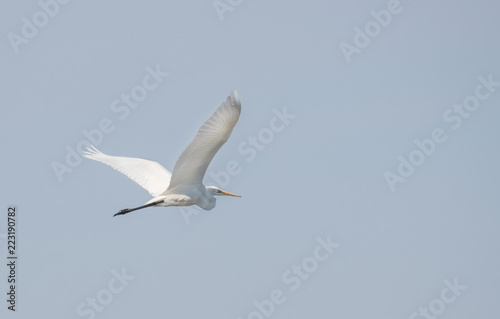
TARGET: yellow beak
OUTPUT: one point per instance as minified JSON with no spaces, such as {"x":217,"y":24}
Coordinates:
{"x":229,"y":194}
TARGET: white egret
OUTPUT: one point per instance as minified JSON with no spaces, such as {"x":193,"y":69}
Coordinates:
{"x":182,"y":187}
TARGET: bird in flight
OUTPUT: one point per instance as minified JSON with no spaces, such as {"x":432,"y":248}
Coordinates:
{"x":184,"y":186}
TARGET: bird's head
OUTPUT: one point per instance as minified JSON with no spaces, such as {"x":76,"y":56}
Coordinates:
{"x":215,"y":191}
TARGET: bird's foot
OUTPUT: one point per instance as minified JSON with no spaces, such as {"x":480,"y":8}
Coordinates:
{"x":122,"y":212}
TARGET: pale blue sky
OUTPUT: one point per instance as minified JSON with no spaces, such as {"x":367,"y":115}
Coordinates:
{"x":322,"y":175}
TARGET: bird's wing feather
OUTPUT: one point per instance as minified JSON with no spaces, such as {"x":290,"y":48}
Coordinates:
{"x":193,"y":162}
{"x":150,"y":175}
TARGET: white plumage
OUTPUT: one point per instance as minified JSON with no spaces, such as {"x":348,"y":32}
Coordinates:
{"x":149,"y":174}
{"x":184,"y":186}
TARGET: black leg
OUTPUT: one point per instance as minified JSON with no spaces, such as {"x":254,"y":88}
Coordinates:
{"x":128,"y":210}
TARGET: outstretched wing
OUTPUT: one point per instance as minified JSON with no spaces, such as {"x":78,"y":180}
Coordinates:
{"x":150,"y":175}
{"x":193,"y":162}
